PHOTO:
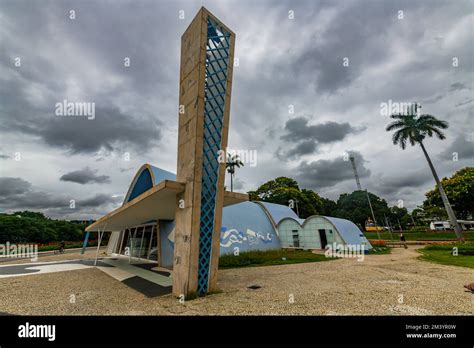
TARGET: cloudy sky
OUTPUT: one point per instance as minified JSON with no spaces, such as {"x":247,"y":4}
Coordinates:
{"x":308,"y":88}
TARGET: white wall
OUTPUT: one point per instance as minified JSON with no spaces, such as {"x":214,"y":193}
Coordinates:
{"x":308,"y":234}
{"x":113,"y":240}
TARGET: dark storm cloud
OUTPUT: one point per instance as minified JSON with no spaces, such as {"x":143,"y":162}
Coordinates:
{"x":308,"y":137}
{"x":102,"y":32}
{"x":97,"y":201}
{"x":109,"y":130}
{"x":356,"y":38}
{"x":298,"y":129}
{"x":85,"y":176}
{"x":282,"y":62}
{"x":393,"y":185}
{"x":17,"y":193}
{"x":459,"y":150}
{"x":91,"y":63}
{"x":304,"y":147}
{"x":34,"y":200}
{"x":326,"y":173}
{"x":13,"y":186}
{"x":457,"y":86}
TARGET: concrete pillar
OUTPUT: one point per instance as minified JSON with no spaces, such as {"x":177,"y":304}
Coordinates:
{"x":207,"y":50}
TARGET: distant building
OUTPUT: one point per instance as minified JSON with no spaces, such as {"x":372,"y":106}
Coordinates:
{"x":446,"y":225}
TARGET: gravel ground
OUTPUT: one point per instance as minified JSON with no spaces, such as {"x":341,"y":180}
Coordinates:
{"x":391,"y":284}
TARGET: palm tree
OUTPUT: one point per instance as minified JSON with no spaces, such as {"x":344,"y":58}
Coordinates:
{"x":414,"y":129}
{"x":232,"y":162}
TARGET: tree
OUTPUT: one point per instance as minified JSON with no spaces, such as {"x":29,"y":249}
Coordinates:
{"x":435,"y":213}
{"x":460,"y":191}
{"x":30,"y":214}
{"x":328,"y":207}
{"x":415,"y":129}
{"x":266,"y":191}
{"x":311,"y":203}
{"x":353,"y":206}
{"x":400,"y":216}
{"x":233,"y":161}
{"x":286,"y":191}
{"x":32,"y":227}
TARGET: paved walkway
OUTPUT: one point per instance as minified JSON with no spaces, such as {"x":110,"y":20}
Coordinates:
{"x":141,"y":276}
{"x":43,"y":254}
{"x":24,"y":269}
{"x":144,"y":277}
{"x":391,"y":284}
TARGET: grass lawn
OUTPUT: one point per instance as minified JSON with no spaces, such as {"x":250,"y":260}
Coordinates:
{"x":418,"y":235}
{"x":269,"y":257}
{"x":443,"y":254}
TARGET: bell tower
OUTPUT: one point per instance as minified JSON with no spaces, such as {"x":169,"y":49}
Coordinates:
{"x":207,"y":55}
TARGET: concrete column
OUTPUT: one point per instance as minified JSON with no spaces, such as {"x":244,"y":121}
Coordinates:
{"x":198,"y":55}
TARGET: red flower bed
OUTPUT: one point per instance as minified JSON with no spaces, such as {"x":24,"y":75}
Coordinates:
{"x":378,"y":243}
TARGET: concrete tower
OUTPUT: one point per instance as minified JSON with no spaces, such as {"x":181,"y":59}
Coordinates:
{"x":207,"y":54}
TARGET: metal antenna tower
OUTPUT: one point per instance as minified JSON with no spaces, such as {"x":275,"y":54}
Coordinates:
{"x":355,"y":173}
{"x":359,"y":187}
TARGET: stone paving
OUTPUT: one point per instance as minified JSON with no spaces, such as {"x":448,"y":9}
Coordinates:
{"x":392,"y":284}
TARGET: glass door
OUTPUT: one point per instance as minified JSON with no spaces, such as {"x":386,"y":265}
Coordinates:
{"x":153,"y":250}
{"x":140,"y":242}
